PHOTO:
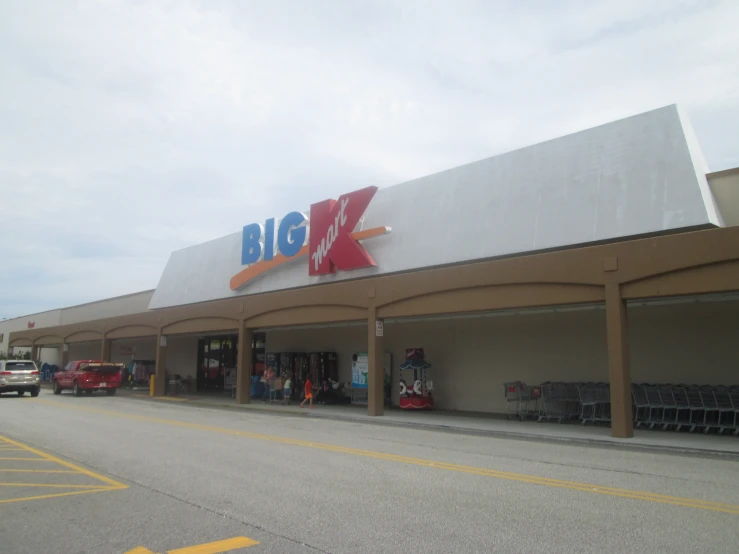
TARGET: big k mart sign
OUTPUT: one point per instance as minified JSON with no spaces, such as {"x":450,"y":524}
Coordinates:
{"x":326,"y":237}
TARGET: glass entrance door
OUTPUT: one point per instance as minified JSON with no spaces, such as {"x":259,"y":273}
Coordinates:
{"x":216,"y":363}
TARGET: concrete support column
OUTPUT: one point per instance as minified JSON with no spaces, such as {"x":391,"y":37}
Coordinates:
{"x":65,"y":355}
{"x":622,"y":425}
{"x":160,"y":375}
{"x":376,"y":370}
{"x":34,"y":352}
{"x":244,"y":367}
{"x":105,"y":353}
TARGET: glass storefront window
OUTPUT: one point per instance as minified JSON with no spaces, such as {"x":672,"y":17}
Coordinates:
{"x":216,"y":362}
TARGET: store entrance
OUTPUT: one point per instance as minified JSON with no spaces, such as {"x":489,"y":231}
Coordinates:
{"x":324,"y":353}
{"x":217,"y":363}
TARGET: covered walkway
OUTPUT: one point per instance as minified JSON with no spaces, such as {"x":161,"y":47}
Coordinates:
{"x":480,"y":425}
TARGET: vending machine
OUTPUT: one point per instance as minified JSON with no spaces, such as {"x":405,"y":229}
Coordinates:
{"x":301,"y":368}
{"x":323,"y":365}
{"x":273,"y":363}
{"x":286,"y":364}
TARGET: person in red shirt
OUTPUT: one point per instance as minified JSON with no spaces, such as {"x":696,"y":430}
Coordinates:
{"x":308,"y":393}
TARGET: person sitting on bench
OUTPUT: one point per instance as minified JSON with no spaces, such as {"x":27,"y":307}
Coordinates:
{"x":326,"y":394}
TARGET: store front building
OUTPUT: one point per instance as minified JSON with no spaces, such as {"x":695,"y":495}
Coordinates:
{"x":544,"y":264}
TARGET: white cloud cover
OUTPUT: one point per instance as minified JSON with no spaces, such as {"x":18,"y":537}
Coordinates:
{"x":129,"y":129}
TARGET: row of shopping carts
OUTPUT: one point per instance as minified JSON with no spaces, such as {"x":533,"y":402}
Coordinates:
{"x":664,"y":406}
{"x":691,"y":407}
{"x":522,"y":400}
{"x":555,"y":401}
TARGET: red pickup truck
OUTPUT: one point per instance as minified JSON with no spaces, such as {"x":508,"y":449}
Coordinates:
{"x":88,"y":376}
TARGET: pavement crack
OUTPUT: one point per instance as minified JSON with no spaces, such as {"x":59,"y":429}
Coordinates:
{"x":224,"y":514}
{"x":462,"y":450}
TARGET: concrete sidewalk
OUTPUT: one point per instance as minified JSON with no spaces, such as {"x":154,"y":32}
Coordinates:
{"x":481,"y":424}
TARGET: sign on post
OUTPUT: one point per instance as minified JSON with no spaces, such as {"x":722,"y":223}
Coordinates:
{"x":379,"y":328}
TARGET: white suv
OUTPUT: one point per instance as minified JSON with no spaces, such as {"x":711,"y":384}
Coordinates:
{"x":19,"y":376}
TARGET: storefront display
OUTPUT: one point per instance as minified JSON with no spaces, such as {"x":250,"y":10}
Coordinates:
{"x":416,"y":395}
{"x":138,"y":373}
{"x":360,"y":374}
{"x":360,"y":369}
{"x":257,"y":346}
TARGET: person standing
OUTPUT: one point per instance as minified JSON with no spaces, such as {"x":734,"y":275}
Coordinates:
{"x":308,"y":392}
{"x":286,"y":390}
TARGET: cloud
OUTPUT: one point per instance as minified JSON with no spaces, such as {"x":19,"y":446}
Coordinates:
{"x":131,"y":129}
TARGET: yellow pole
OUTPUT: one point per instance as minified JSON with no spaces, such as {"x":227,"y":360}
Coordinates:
{"x":151,"y":385}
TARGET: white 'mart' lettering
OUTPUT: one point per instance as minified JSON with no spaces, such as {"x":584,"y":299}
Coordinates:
{"x":326,"y":243}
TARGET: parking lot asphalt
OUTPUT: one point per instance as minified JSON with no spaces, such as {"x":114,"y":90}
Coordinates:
{"x":29,"y":474}
{"x":117,"y":475}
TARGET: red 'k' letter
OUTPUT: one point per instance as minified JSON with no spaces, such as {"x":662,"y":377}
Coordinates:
{"x":331,"y":224}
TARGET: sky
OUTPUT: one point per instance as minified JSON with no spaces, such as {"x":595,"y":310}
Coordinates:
{"x":129,"y":129}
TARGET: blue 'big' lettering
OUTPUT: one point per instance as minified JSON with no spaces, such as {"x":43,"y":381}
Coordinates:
{"x":258,"y":242}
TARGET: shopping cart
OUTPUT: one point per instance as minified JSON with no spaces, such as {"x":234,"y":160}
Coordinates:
{"x":655,"y":408}
{"x":553,"y":403}
{"x":726,"y":410}
{"x":682,"y":407}
{"x":669,"y":406}
{"x":639,"y":404}
{"x":734,"y":394}
{"x":595,"y":402}
{"x":572,"y":404}
{"x":521,"y":400}
{"x":275,"y":390}
{"x":711,"y":415}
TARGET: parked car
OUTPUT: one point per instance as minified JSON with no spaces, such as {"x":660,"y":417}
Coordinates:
{"x":19,"y":376}
{"x":88,"y":376}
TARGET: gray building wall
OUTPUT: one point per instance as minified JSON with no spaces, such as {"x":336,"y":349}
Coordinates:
{"x":640,"y":175}
{"x":110,"y":307}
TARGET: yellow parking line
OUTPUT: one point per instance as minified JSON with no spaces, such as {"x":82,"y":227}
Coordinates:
{"x":531,"y":479}
{"x":170,"y":399}
{"x":165,"y":398}
{"x":54,"y":486}
{"x":26,"y":459}
{"x":216,"y":547}
{"x":78,"y":469}
{"x":68,"y":471}
{"x":57,"y":495}
{"x":109,"y":485}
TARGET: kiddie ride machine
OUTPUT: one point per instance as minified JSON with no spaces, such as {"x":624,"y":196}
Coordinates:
{"x":418,"y":395}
